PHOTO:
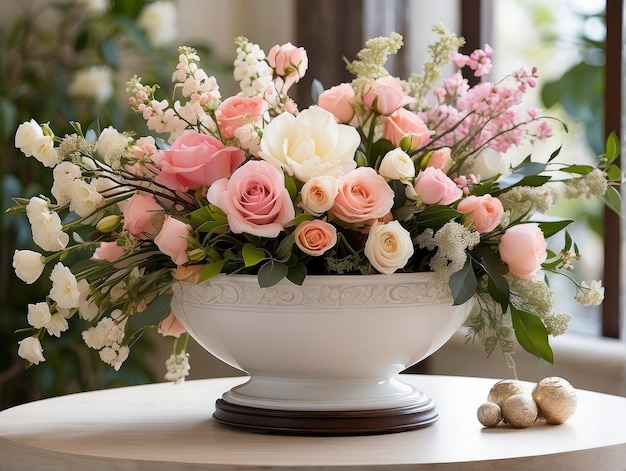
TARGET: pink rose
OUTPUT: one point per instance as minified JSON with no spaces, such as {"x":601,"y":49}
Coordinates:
{"x":196,"y":160}
{"x":385,"y":95}
{"x":142,"y":216}
{"x":363,"y":195}
{"x":441,"y":158}
{"x":171,"y":327}
{"x":109,"y":251}
{"x":236,"y":111}
{"x":404,"y":123}
{"x":289,"y":63}
{"x":523,"y":249}
{"x":172,"y":239}
{"x":435,"y":187}
{"x":483,"y":212}
{"x":254,"y":199}
{"x":338,"y":101}
{"x":315,"y":237}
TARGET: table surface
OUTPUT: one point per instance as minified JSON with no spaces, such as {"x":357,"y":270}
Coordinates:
{"x":169,"y":427}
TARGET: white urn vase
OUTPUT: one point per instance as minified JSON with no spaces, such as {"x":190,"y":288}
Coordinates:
{"x":325,"y":357}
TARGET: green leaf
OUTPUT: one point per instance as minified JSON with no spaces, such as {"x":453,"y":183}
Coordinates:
{"x":316,"y":90}
{"x":531,"y":334}
{"x":285,"y":247}
{"x":549,"y":228}
{"x":436,"y":216}
{"x":497,"y":285}
{"x":612,"y":148}
{"x":578,"y":169}
{"x":297,"y":273}
{"x":272,"y":273}
{"x":613,"y":199}
{"x":523,"y":174}
{"x":156,"y":311}
{"x":291,"y":186}
{"x":252,"y":255}
{"x":613,"y":172}
{"x":211,"y":269}
{"x":110,"y":53}
{"x":463,"y":284}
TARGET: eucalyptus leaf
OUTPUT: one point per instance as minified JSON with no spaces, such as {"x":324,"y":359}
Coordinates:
{"x":549,"y":228}
{"x":272,"y":273}
{"x":285,"y":247}
{"x":316,"y":90}
{"x":252,"y":255}
{"x":613,"y":199}
{"x":531,"y":334}
{"x":297,"y":273}
{"x":612,"y":148}
{"x":463,"y":284}
{"x":526,"y":169}
{"x":156,"y":311}
{"x":211,"y":269}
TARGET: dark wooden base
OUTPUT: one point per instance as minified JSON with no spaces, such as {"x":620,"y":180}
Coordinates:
{"x":366,"y":422}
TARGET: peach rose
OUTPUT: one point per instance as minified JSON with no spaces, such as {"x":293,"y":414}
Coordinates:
{"x":406,"y":124}
{"x":318,"y":194}
{"x":109,"y":251}
{"x":523,"y":249}
{"x":254,"y":199}
{"x":196,"y":160}
{"x":236,"y":111}
{"x":142,"y":216}
{"x":388,"y":247}
{"x":289,"y":63}
{"x":172,"y":239}
{"x":338,"y":101}
{"x":482,"y":212}
{"x":171,"y":327}
{"x":363,"y":195}
{"x":441,"y":158}
{"x":385,"y":95}
{"x":435,"y":187}
{"x":315,"y":237}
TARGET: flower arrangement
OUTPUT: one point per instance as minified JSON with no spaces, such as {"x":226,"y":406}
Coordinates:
{"x":381,"y":175}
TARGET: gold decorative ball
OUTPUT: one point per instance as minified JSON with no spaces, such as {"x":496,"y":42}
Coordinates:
{"x":520,"y":411}
{"x":489,"y":414}
{"x":555,"y":398}
{"x":504,"y":389}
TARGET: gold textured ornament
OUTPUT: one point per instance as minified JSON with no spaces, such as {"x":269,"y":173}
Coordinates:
{"x":556,"y":399}
{"x":520,"y":411}
{"x":489,"y":414}
{"x":504,"y":389}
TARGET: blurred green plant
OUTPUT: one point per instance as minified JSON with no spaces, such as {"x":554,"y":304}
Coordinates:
{"x":65,"y":61}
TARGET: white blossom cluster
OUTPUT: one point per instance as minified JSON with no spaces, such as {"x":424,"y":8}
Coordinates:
{"x":177,"y":366}
{"x":592,"y":184}
{"x":108,"y":336}
{"x":251,"y":70}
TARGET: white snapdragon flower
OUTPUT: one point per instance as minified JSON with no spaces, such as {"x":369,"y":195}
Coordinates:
{"x":388,"y":246}
{"x":63,"y":175}
{"x":28,"y":265}
{"x":249,"y":138}
{"x":158,"y":22}
{"x":93,"y":83}
{"x":44,"y":151}
{"x":64,"y":287}
{"x":318,"y":194}
{"x":112,"y":145}
{"x":46,"y":226}
{"x":87,"y":308}
{"x":84,"y":197}
{"x":114,"y":355}
{"x":397,"y":165}
{"x":39,"y":315}
{"x":592,"y":295}
{"x":57,"y":324}
{"x":30,"y":350}
{"x":177,"y":367}
{"x":310,"y":144}
{"x":25,"y":136}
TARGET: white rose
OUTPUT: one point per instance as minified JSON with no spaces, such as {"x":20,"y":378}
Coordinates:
{"x":64,"y":287}
{"x":26,"y":133}
{"x":318,"y":194}
{"x":43,"y":150}
{"x":30,"y":350}
{"x":490,"y":163}
{"x":111,"y":146}
{"x":388,"y":246}
{"x":38,"y":315}
{"x":28,"y":265}
{"x":158,"y":20}
{"x":63,"y":175}
{"x":57,"y":324}
{"x":397,"y":165}
{"x":87,"y":308}
{"x":46,"y":226}
{"x":84,"y":197}
{"x":94,"y":83}
{"x":310,"y":144}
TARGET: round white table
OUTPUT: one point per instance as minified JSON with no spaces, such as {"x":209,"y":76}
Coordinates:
{"x":169,"y":427}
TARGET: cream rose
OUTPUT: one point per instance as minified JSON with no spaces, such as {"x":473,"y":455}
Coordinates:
{"x":397,"y":165}
{"x":28,"y":265}
{"x":46,"y":226}
{"x":26,"y":134}
{"x":310,"y":144}
{"x":388,"y":246}
{"x":318,"y":194}
{"x":38,"y":315}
